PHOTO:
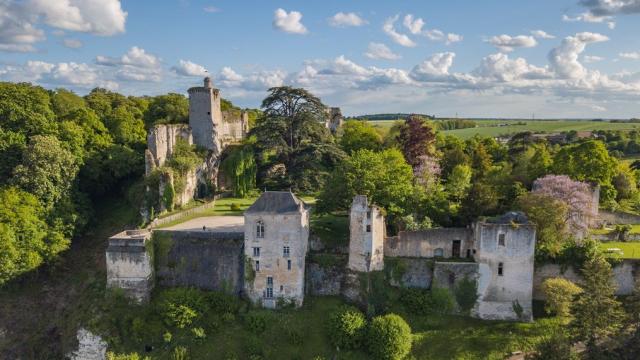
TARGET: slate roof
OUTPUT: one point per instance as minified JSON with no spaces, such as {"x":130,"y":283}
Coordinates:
{"x":517,"y":217}
{"x":276,"y":202}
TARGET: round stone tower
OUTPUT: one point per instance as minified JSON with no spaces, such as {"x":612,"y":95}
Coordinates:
{"x":205,"y":115}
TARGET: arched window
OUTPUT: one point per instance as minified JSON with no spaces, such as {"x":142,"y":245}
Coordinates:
{"x":260,"y":229}
{"x":439,"y":252}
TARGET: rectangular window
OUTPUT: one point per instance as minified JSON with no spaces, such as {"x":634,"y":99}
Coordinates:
{"x":288,"y":264}
{"x":369,"y":214}
{"x":269,"y":281}
{"x":269,"y":293}
{"x":501,"y":239}
{"x":257,"y":265}
{"x":260,"y":229}
{"x":500,"y":269}
{"x":286,"y":251}
{"x":368,"y":228}
{"x":256,"y":251}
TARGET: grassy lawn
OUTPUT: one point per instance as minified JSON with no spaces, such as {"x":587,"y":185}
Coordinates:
{"x":500,"y":127}
{"x":630,"y":250}
{"x":302,"y":334}
{"x":635,"y":229}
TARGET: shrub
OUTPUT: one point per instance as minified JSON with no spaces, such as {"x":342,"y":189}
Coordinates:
{"x":180,"y":353}
{"x":466,"y":292}
{"x":132,"y":356}
{"x":235,"y":207}
{"x":415,"y":300}
{"x":560,"y":293}
{"x":553,"y":348}
{"x":346,"y":327}
{"x":441,"y":301}
{"x":167,"y":337}
{"x":222,"y":303}
{"x":193,"y":298}
{"x":180,"y":315}
{"x":256,"y":322}
{"x":517,"y":308}
{"x":389,"y":337}
{"x":228,"y":317}
{"x":198,"y":333}
{"x":434,"y":301}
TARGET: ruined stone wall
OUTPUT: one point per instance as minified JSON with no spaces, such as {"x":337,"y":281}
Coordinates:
{"x":280,"y":230}
{"x":624,"y":277}
{"x":619,"y":217}
{"x":129,"y":264}
{"x":205,"y":117}
{"x":410,"y":272}
{"x":235,"y":125}
{"x":424,"y":243}
{"x":202,"y":259}
{"x":447,"y":275}
{"x":367,"y":231}
{"x":161,"y":141}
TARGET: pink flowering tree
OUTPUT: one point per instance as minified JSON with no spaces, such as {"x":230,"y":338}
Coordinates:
{"x":582,"y":205}
{"x":427,"y":172}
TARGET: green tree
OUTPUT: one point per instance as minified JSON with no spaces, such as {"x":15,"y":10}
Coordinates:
{"x":560,"y":294}
{"x":459,"y":182}
{"x":389,"y":337}
{"x":550,"y":216}
{"x":47,"y":170}
{"x":586,"y":161}
{"x":27,"y":240}
{"x":358,"y":135}
{"x":346,"y":328}
{"x":596,"y":311}
{"x":240,"y":167}
{"x":482,"y":200}
{"x":64,"y":102}
{"x":167,"y":109}
{"x":385,"y":177}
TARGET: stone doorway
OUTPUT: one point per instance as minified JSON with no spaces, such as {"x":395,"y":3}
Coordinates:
{"x":455,"y":250}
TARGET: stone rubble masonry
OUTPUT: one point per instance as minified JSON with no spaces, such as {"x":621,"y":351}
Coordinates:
{"x":129,"y":264}
{"x":90,"y":347}
{"x":367,"y":232}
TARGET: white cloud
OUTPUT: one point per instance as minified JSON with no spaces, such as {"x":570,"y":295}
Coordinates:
{"x":135,"y":65}
{"x":453,"y":38}
{"x":72,"y":43}
{"x":288,"y":22}
{"x":257,"y":81}
{"x":346,"y":19}
{"x":598,"y":108}
{"x":591,"y":58}
{"x":591,"y":18}
{"x":564,"y":58}
{"x":500,"y":67}
{"x":17,"y":28}
{"x":414,"y":25}
{"x":540,"y":34}
{"x":398,"y":38}
{"x":435,"y":67}
{"x":69,"y":74}
{"x":507,"y":43}
{"x":630,"y":55}
{"x":611,"y":7}
{"x":439,"y":35}
{"x":188,"y":68}
{"x":380,"y":51}
{"x":211,"y":9}
{"x":99,"y":17}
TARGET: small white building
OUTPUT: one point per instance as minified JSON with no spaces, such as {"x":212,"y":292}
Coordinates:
{"x":275,"y":248}
{"x":367,"y":232}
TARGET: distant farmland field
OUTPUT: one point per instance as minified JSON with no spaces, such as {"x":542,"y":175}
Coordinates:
{"x":495,"y":128}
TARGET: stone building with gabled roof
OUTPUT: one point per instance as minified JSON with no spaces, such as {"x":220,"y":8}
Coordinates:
{"x":276,"y":240}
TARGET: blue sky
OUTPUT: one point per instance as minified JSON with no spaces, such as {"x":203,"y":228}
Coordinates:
{"x":573,"y":58}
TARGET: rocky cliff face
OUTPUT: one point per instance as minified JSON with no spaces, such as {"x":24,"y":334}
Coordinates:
{"x":161,"y":141}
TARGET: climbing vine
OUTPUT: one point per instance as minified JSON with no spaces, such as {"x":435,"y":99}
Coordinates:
{"x":240,"y":167}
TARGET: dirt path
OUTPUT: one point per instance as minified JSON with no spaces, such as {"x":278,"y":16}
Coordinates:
{"x":41,"y":312}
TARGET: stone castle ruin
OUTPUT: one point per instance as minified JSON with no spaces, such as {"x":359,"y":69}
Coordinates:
{"x":209,"y":128}
{"x":333,"y":119}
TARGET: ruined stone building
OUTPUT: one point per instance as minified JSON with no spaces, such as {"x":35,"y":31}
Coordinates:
{"x":366,"y":234}
{"x":209,"y":128}
{"x":333,"y":119}
{"x":276,"y":243}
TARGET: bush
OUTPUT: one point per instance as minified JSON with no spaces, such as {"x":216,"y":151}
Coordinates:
{"x":167,"y":337}
{"x":198,"y":333}
{"x":389,"y":337}
{"x":132,"y":356}
{"x":180,"y":315}
{"x":346,"y":327}
{"x":235,"y":207}
{"x":222,"y":303}
{"x":256,"y":322}
{"x":466,"y":292}
{"x":434,"y":301}
{"x":193,"y":298}
{"x":441,"y":301}
{"x":560,"y":293}
{"x":180,"y":353}
{"x":553,"y":348}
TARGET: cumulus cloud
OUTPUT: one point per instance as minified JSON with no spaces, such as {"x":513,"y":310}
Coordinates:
{"x":72,"y":43}
{"x":380,"y":51}
{"x":346,"y":19}
{"x":435,"y":67}
{"x":414,"y":25}
{"x":70,"y":74}
{"x":99,"y":17}
{"x":135,"y":65}
{"x":288,"y":22}
{"x":591,"y":18}
{"x":500,"y":67}
{"x":398,"y":38}
{"x":563,"y":59}
{"x":612,"y":7}
{"x":540,"y":34}
{"x":18,"y":32}
{"x":630,"y":55}
{"x":508,"y":43}
{"x":257,"y":81}
{"x":188,"y":68}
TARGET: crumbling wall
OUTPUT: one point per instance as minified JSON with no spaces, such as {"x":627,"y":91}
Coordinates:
{"x":202,"y":259}
{"x":424,"y":243}
{"x":410,"y":272}
{"x":448,"y":274}
{"x":161,"y":141}
{"x":129,"y":264}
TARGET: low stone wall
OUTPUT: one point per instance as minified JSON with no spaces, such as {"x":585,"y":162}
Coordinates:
{"x":424,"y":243}
{"x":202,"y":259}
{"x":624,"y":277}
{"x":449,"y":274}
{"x":614,"y":236}
{"x":410,"y":272}
{"x":618,"y":217}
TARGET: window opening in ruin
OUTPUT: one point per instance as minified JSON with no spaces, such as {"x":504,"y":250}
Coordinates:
{"x":257,"y":265}
{"x":501,"y":239}
{"x":288,"y":264}
{"x":368,"y":228}
{"x":455,"y":250}
{"x":260,"y":229}
{"x":369,"y":214}
{"x":500,"y":269}
{"x":286,"y":251}
{"x":468,"y":253}
{"x":256,"y":251}
{"x":439,"y":252}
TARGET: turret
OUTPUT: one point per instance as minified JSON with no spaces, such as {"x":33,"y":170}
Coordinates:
{"x":205,"y":115}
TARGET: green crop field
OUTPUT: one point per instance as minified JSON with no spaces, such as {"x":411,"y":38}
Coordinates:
{"x":495,"y":128}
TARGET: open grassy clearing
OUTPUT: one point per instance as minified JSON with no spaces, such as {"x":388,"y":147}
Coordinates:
{"x":630,"y":250}
{"x":495,"y":128}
